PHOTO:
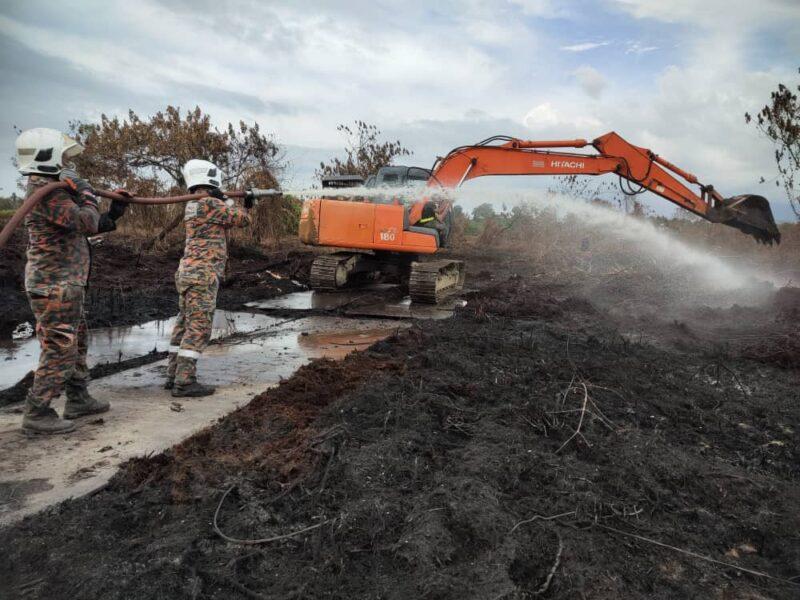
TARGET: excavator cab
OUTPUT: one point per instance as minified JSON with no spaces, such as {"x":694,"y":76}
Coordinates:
{"x":399,"y":177}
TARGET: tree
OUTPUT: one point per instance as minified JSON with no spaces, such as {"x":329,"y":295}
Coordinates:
{"x":483,"y":211}
{"x":780,"y":122}
{"x":365,"y":154}
{"x":145,"y":155}
{"x":150,"y":152}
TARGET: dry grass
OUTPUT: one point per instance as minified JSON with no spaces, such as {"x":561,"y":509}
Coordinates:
{"x":273,"y":218}
{"x":568,"y":243}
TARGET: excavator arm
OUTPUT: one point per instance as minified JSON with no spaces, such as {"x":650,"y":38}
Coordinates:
{"x":639,"y":170}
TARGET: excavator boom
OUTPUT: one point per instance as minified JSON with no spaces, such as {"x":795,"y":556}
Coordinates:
{"x":639,"y":170}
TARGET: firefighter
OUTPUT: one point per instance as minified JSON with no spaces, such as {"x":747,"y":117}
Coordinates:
{"x":199,"y":273}
{"x":56,"y":276}
{"x":431,"y":219}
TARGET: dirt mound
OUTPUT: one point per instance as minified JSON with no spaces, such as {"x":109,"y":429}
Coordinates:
{"x":483,"y":457}
{"x":274,"y":435}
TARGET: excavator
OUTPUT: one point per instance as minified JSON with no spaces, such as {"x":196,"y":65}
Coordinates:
{"x":374,"y":234}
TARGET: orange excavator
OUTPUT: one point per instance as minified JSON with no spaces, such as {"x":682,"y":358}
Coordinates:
{"x":377,"y":234}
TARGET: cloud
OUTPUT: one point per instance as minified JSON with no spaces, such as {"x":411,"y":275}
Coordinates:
{"x":714,"y":13}
{"x":434,"y":75}
{"x":639,"y":48}
{"x":591,"y":80}
{"x":584,"y":47}
{"x":542,"y":8}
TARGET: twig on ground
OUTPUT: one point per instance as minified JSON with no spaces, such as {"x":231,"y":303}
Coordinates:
{"x":580,"y":421}
{"x":699,"y":556}
{"x":266,"y":540}
{"x":541,"y":518}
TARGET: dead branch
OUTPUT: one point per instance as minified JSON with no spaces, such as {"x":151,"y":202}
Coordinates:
{"x":266,"y":540}
{"x":698,"y":556}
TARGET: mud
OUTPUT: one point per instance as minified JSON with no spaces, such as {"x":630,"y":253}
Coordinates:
{"x":516,"y":448}
{"x":379,"y":301}
{"x":127,"y":287}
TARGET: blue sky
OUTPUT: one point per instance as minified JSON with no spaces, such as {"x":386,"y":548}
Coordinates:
{"x":672,"y":75}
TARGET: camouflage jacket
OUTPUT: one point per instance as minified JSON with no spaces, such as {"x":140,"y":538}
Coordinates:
{"x":58,"y":252}
{"x":206,"y":249}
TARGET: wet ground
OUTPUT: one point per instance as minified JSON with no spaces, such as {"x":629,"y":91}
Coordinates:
{"x":115,"y":344}
{"x":381,"y":300}
{"x":37,"y":472}
{"x":566,"y":435}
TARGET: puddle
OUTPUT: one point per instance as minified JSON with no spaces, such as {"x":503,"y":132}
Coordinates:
{"x":112,"y":344}
{"x":145,"y":418}
{"x":357,"y":303}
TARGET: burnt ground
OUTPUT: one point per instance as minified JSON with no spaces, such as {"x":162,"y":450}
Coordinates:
{"x":561,"y":436}
{"x":127,"y":287}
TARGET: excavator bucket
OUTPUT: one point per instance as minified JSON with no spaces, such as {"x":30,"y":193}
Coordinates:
{"x":752,"y":215}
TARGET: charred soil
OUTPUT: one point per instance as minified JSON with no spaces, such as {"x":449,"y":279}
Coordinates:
{"x":531,"y":445}
{"x":127,"y":287}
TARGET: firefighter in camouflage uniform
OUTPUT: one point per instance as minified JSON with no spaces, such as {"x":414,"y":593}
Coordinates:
{"x":199,"y":274}
{"x":56,"y":276}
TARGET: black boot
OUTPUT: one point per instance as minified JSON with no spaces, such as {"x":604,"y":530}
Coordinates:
{"x":45,"y":421}
{"x":192,"y":390}
{"x":169,"y":383}
{"x":80,"y":403}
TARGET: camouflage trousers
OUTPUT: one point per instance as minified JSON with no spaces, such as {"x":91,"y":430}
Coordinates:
{"x":62,"y":334}
{"x":192,"y":331}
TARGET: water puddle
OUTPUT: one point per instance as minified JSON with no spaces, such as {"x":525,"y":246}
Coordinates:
{"x":145,"y":418}
{"x":362,"y":302}
{"x":113,"y":344}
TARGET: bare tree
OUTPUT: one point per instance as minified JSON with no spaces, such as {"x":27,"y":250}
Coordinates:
{"x":145,"y":155}
{"x":780,"y":122}
{"x":365,"y":153}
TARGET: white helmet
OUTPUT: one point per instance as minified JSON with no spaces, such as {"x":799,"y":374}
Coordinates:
{"x":201,"y":172}
{"x":43,"y":150}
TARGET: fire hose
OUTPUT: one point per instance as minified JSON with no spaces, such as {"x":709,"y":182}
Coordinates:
{"x":34,"y":199}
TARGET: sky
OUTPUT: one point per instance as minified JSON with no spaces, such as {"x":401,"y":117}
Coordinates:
{"x":675,"y":76}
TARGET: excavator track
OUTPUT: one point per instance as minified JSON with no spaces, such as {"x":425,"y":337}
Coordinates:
{"x":432,"y":282}
{"x":329,"y":272}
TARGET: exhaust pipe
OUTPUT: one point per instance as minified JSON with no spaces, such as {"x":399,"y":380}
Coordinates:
{"x":750,"y":214}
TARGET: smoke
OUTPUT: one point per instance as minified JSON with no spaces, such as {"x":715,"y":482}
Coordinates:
{"x":644,"y":236}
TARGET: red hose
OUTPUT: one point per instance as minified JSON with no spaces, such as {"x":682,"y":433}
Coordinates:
{"x":37,"y":196}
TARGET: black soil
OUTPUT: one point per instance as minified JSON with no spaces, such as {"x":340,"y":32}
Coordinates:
{"x":127,"y":287}
{"x":515,"y":449}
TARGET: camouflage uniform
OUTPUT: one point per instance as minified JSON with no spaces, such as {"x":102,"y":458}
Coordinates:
{"x":197,"y":281}
{"x":56,"y":275}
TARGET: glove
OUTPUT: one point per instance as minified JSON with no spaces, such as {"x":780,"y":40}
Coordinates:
{"x":249,"y":200}
{"x":118,"y":207}
{"x":215,"y":192}
{"x":81,"y":186}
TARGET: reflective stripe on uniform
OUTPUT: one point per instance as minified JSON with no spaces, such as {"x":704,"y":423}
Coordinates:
{"x":188,"y":353}
{"x":428,"y":220}
{"x":174,"y":349}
